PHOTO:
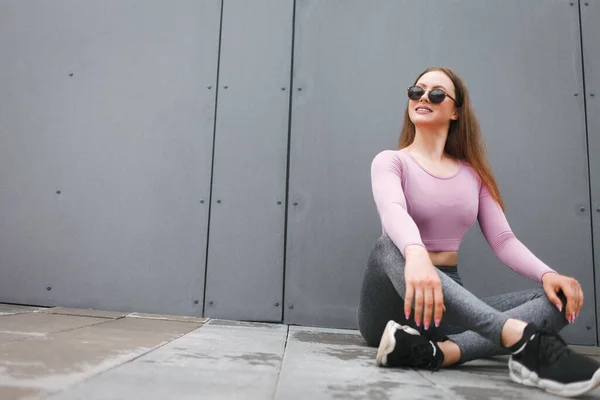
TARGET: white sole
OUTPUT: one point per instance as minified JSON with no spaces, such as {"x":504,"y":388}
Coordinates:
{"x":520,"y":374}
{"x":388,"y":340}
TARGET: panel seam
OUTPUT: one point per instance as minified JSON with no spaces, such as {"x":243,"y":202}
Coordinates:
{"x":212,"y":165}
{"x":287,"y":168}
{"x":587,"y":145}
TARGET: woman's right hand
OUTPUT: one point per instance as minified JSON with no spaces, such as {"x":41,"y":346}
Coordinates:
{"x":423,"y":286}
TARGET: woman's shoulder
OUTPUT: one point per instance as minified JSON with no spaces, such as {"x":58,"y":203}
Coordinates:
{"x":470,"y":170}
{"x":390,"y":158}
{"x":391,"y":155}
{"x":466,"y":164}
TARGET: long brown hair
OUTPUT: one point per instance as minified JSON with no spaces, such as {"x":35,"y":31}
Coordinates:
{"x":464,"y":141}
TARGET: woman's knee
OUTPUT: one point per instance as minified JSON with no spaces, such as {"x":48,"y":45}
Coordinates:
{"x":541,"y":293}
{"x":551,"y":316}
{"x":380,"y":299}
{"x":383,"y":245}
{"x":385,"y":252}
{"x":537,"y":293}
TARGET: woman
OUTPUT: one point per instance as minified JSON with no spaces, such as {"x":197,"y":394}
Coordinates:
{"x":428,"y":194}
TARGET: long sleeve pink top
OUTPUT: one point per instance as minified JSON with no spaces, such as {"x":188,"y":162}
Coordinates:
{"x":419,"y":208}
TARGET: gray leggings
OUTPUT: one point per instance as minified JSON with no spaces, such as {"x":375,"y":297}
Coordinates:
{"x":473,"y":324}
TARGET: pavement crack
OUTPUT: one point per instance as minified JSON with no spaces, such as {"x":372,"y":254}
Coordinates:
{"x":437,"y":386}
{"x":33,"y":337}
{"x":285,"y":343}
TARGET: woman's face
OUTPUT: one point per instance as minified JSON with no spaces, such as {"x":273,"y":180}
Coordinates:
{"x":423,"y":112}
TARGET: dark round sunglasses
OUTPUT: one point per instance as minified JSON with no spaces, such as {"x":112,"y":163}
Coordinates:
{"x":436,"y":96}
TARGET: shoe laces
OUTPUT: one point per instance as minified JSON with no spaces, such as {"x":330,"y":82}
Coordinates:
{"x":551,"y":347}
{"x":422,"y":355}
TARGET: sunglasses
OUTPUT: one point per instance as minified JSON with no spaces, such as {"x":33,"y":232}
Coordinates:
{"x":436,"y":96}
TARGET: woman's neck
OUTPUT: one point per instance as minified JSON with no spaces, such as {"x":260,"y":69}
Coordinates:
{"x":429,"y":143}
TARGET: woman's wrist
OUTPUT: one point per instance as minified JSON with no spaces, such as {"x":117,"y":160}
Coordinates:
{"x":415,"y":252}
{"x":546,"y":274}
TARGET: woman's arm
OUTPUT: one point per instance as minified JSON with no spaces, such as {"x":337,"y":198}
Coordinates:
{"x":386,"y":182}
{"x":503,"y":242}
{"x":422,"y":280}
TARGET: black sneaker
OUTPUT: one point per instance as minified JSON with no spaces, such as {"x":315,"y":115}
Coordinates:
{"x":403,"y":346}
{"x":545,"y":361}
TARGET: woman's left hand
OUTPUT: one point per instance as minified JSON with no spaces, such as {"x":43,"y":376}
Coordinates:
{"x":553,"y":283}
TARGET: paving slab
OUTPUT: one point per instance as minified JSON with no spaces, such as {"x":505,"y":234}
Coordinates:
{"x":54,"y":362}
{"x":9,"y":309}
{"x":6,"y":338}
{"x":218,"y":361}
{"x":82,"y":312}
{"x":337,"y":364}
{"x":165,"y":317}
{"x":153,"y":356}
{"x":482,"y":379}
{"x":9,"y":393}
{"x":40,"y":324}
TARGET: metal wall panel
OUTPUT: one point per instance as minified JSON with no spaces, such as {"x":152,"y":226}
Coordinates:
{"x":106,"y":128}
{"x":522,"y":63}
{"x":246,"y":243}
{"x":590,"y":26}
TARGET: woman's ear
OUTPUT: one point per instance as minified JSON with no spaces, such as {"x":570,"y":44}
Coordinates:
{"x":454,"y":115}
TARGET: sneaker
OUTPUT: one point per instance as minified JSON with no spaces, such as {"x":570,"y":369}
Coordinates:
{"x":545,"y":361}
{"x":403,"y":346}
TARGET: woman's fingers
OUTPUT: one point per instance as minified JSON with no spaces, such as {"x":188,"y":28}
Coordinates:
{"x":418,"y":305}
{"x":579,"y":292}
{"x":424,"y":287}
{"x":554,"y":299}
{"x":408,"y":299}
{"x":438,"y":298}
{"x":572,"y":295}
{"x":428,"y":306}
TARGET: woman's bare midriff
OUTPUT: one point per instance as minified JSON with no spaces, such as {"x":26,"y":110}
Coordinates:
{"x":444,"y":258}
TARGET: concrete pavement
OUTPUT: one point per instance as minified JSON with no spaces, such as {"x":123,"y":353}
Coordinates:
{"x":68,"y":354}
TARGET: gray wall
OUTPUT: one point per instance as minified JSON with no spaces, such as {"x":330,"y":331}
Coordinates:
{"x":102,"y":173}
{"x":590,"y":23}
{"x":245,"y":252}
{"x":232,"y":141}
{"x":354,"y":74}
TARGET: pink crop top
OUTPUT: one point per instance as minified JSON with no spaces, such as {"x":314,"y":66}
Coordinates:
{"x":419,"y":208}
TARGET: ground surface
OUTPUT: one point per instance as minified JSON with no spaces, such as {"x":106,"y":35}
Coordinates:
{"x":62,"y":354}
